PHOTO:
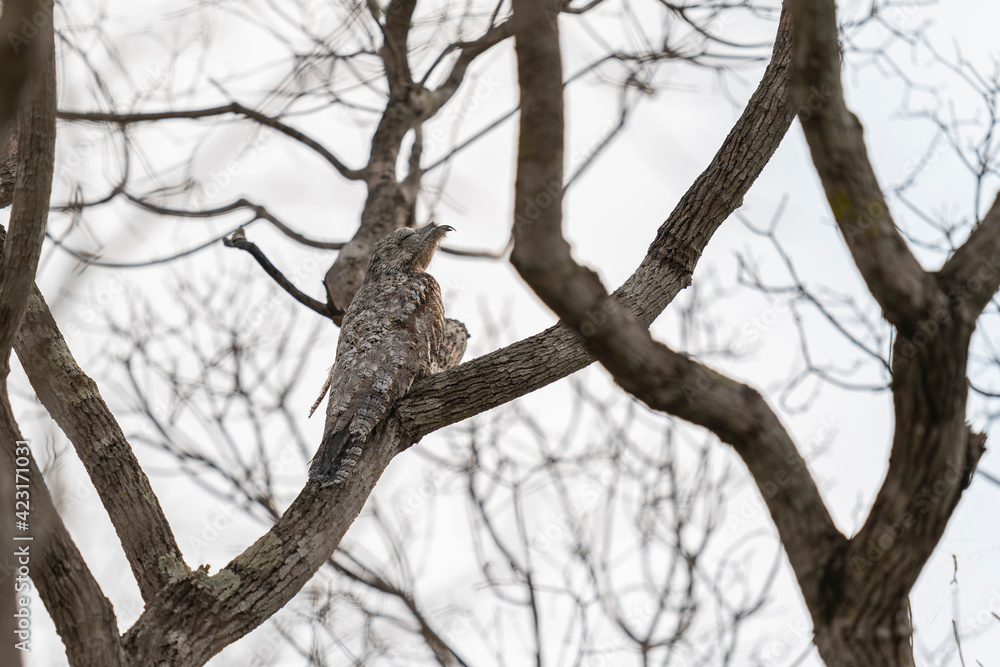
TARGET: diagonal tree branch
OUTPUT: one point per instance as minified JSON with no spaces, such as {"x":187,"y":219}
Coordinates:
{"x":82,"y":615}
{"x":74,"y":401}
{"x":445,"y":655}
{"x":239,"y":240}
{"x":468,"y":51}
{"x":835,"y":137}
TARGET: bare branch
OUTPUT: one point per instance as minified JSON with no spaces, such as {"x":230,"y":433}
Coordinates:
{"x":231,"y":108}
{"x":239,"y":240}
{"x":260,"y":213}
{"x":934,"y":453}
{"x":469,"y":51}
{"x":445,"y":655}
{"x":582,"y":9}
{"x":393,"y":51}
{"x":324,"y":513}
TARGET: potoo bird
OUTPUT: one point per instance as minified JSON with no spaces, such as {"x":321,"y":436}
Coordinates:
{"x":393,"y":334}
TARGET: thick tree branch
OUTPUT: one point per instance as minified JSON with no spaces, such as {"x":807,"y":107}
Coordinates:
{"x":82,"y":615}
{"x":74,"y":401}
{"x":33,"y":185}
{"x":865,"y":618}
{"x":199,"y":615}
{"x":231,"y":108}
{"x":8,"y":171}
{"x":395,"y":32}
{"x":894,"y":277}
{"x":22,"y":51}
{"x":390,"y":204}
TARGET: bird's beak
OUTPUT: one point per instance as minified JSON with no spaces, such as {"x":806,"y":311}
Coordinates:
{"x":434,"y":228}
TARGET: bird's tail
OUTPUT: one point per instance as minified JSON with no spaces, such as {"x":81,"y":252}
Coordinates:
{"x":337,"y":454}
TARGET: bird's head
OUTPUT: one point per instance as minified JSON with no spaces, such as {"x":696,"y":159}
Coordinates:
{"x":407,"y":249}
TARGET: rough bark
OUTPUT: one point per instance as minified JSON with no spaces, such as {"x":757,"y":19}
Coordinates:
{"x":390,"y":203}
{"x":8,"y":171}
{"x":535,"y":362}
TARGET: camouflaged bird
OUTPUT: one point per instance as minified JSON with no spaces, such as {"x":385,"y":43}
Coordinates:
{"x":393,"y":334}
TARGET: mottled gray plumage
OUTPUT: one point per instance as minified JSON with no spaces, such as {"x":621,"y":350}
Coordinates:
{"x":393,"y":333}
